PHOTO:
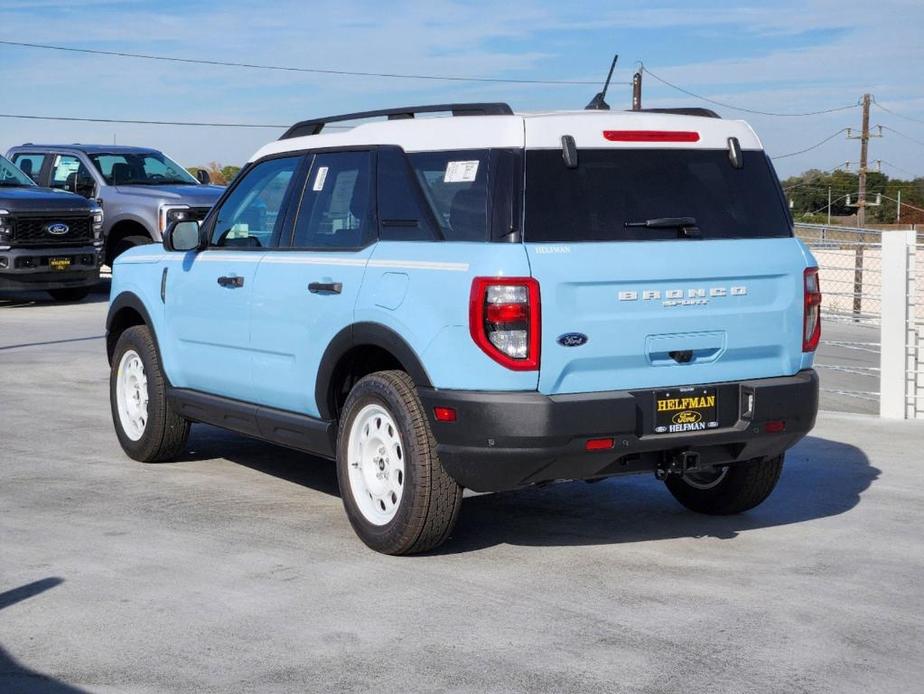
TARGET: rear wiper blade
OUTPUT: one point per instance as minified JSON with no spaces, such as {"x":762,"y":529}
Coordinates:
{"x":686,"y":226}
{"x":665,"y":223}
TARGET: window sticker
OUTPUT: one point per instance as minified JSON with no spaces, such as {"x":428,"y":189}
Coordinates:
{"x":320,"y":178}
{"x":461,"y":171}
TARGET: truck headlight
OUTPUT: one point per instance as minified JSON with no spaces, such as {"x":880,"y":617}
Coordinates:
{"x":6,"y":228}
{"x":97,"y":223}
{"x":172,"y":213}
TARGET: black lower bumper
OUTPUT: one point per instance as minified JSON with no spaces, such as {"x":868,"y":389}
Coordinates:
{"x":503,"y":440}
{"x":30,"y":269}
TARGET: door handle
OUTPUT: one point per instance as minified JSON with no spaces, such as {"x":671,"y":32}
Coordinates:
{"x":232,"y":282}
{"x":325,"y":287}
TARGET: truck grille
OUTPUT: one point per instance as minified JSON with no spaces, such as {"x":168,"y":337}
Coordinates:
{"x":34,"y":231}
{"x":198,"y":213}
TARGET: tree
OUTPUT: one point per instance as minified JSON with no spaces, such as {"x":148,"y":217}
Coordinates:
{"x":221,"y":175}
{"x":808,"y":193}
{"x":230,"y":172}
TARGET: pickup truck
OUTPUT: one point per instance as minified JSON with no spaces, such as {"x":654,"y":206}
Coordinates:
{"x":49,"y":240}
{"x":141,"y":189}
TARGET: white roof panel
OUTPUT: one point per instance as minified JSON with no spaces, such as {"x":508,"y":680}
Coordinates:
{"x":534,"y":130}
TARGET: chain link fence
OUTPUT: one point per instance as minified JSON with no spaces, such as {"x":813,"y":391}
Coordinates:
{"x":914,"y":367}
{"x":850,"y":271}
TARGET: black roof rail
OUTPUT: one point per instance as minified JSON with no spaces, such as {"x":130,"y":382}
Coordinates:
{"x":316,"y":125}
{"x":685,"y":111}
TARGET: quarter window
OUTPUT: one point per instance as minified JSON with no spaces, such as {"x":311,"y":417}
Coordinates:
{"x":253,"y":211}
{"x":336,"y":205}
{"x":456,"y":186}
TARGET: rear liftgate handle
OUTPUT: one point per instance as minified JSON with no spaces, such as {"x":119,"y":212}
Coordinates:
{"x":232,"y":281}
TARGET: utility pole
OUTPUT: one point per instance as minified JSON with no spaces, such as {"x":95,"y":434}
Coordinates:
{"x":898,"y":208}
{"x":864,"y":153}
{"x":861,"y":206}
{"x":637,"y":91}
{"x":829,"y":205}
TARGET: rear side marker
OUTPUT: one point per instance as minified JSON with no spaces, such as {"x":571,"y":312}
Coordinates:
{"x":599,"y":444}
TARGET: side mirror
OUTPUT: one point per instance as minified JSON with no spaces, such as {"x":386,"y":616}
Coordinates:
{"x":203,"y":176}
{"x":183,"y":235}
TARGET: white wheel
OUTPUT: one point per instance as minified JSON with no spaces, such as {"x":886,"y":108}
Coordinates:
{"x":132,"y":395}
{"x":375,"y":455}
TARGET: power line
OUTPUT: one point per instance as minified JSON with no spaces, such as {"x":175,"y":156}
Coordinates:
{"x":899,"y":168}
{"x":809,"y":149}
{"x":741,"y":108}
{"x":903,"y":204}
{"x":901,"y":134}
{"x":825,"y":206}
{"x":140,"y":122}
{"x":894,"y":113}
{"x":311,"y":70}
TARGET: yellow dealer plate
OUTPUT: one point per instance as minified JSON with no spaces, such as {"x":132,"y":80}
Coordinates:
{"x":685,"y":409}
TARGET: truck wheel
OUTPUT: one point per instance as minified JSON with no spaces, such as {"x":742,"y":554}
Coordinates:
{"x":126,"y":243}
{"x":727,"y":490}
{"x":69,"y":293}
{"x":397,"y":495}
{"x":147,"y":426}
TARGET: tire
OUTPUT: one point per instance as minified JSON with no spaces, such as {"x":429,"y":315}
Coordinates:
{"x":126,"y":243}
{"x":737,"y":488}
{"x":150,"y":432}
{"x":69,"y":293}
{"x":396,"y":493}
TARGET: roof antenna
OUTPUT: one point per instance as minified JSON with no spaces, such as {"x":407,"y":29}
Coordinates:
{"x":598,"y":103}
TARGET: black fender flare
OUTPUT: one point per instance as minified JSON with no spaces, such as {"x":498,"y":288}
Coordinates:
{"x":359,"y":335}
{"x":122,"y":301}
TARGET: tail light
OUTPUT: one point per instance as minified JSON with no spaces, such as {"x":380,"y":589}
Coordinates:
{"x":811,"y":327}
{"x":504,"y":320}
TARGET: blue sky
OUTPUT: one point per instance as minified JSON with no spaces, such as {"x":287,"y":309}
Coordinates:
{"x":781,"y":56}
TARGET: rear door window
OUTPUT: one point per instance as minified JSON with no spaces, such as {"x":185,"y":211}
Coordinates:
{"x":30,"y":164}
{"x":402,"y":216}
{"x":612,"y":187}
{"x":70,"y":174}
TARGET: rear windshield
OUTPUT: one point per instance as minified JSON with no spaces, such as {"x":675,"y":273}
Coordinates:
{"x":612,"y":187}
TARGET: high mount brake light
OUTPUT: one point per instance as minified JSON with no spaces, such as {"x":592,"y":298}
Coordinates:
{"x":651,"y":135}
{"x":504,"y":320}
{"x":811,"y":324}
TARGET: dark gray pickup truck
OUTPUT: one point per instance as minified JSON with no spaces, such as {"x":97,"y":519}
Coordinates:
{"x":49,"y":240}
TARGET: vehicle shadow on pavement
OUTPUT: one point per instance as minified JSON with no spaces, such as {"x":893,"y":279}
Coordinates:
{"x":8,"y":300}
{"x":15,"y":677}
{"x":207,"y":442}
{"x":821,"y":478}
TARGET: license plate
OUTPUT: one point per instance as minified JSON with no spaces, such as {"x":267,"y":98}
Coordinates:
{"x":59,"y":263}
{"x":685,"y":409}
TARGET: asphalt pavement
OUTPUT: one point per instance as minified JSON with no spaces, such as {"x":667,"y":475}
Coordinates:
{"x":235,"y":569}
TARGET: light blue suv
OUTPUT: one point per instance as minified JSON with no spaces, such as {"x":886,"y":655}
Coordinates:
{"x":486,"y":300}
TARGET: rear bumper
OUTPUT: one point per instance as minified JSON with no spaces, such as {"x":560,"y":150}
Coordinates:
{"x":27,"y":269}
{"x":503,"y":440}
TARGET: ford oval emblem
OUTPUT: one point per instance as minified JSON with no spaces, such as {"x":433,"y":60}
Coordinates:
{"x":572,"y":339}
{"x":58,"y":229}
